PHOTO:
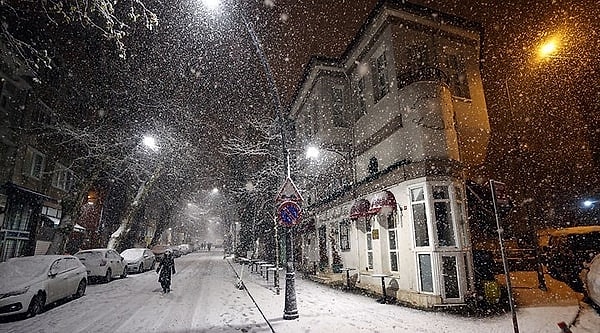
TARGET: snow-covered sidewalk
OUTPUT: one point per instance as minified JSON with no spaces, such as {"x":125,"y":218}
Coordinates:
{"x":322,"y":308}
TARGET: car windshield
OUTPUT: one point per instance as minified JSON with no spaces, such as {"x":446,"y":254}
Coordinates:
{"x":24,"y":267}
{"x":132,"y":253}
{"x":88,"y":255}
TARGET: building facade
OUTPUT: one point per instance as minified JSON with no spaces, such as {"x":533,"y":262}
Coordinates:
{"x":399,"y":120}
{"x":32,"y":179}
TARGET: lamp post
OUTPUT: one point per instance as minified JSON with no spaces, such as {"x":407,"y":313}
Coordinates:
{"x":290,"y":311}
{"x":313,"y":152}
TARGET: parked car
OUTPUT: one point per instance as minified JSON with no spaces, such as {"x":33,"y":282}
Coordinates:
{"x":103,"y":263}
{"x":569,"y":251}
{"x":139,"y":259}
{"x":185,"y":249}
{"x":593,"y":281}
{"x":30,"y":283}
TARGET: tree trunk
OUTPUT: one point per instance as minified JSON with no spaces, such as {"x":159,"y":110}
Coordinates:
{"x":71,"y":209}
{"x":117,"y":237}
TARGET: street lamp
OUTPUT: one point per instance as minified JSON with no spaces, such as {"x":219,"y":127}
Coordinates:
{"x":290,"y":311}
{"x":150,"y":142}
{"x":313,"y":153}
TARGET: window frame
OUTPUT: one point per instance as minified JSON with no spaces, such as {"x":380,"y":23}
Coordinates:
{"x":63,"y":178}
{"x":381,"y":80}
{"x":369,"y":242}
{"x":394,"y":251}
{"x":361,"y":86}
{"x":458,"y":75}
{"x":344,"y":235}
{"x":337,"y":106}
{"x":36,"y":156}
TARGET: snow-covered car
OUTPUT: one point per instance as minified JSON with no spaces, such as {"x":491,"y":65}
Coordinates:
{"x":569,"y":251}
{"x":593,"y":280}
{"x":103,"y":263}
{"x":28,"y":284}
{"x":185,"y":249}
{"x":138,"y":259}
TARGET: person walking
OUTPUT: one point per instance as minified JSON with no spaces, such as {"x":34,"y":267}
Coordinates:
{"x":165,"y":268}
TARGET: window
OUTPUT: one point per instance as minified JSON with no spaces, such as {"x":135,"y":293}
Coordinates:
{"x":380,"y":79}
{"x":337,"y":104}
{"x":417,"y":198}
{"x":19,"y":216}
{"x":425,"y":272}
{"x":457,"y":74}
{"x":34,"y":163}
{"x":460,"y":214}
{"x":362,"y":102}
{"x":3,"y":96}
{"x":450,"y":274}
{"x":369,"y":236}
{"x":323,"y":257}
{"x":345,"y":235}
{"x":40,"y":116}
{"x":373,"y":166}
{"x":63,"y":178}
{"x":443,"y":216}
{"x":393,"y":241}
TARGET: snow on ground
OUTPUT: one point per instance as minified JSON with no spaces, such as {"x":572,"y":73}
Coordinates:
{"x":205,"y":299}
{"x":322,"y":309}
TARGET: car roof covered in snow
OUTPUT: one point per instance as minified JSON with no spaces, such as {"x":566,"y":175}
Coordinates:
{"x":575,"y":230}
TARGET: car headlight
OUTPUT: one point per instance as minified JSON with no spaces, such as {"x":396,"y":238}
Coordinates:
{"x":14,"y":292}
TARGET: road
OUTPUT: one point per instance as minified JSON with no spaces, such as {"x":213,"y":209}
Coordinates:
{"x":204,"y":298}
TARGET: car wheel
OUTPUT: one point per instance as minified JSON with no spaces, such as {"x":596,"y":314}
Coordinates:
{"x":141,"y":270}
{"x":108,"y":276}
{"x":80,"y":289}
{"x":36,"y":306}
{"x":124,"y":274}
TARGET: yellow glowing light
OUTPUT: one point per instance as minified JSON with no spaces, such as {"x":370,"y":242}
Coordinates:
{"x":548,"y":49}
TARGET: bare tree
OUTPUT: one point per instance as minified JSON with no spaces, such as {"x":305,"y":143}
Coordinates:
{"x":255,"y":152}
{"x":112,"y":19}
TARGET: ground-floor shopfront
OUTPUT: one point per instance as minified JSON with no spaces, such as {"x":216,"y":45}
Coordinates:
{"x":412,"y":236}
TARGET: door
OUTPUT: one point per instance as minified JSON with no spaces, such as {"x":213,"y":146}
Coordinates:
{"x":55,"y":288}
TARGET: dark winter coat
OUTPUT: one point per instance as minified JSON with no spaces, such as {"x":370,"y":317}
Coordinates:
{"x":165,"y":268}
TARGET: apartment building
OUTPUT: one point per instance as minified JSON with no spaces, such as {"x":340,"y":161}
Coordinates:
{"x":32,"y":178}
{"x":400,"y":119}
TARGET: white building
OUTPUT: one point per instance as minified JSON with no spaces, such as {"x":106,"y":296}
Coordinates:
{"x":399,"y":119}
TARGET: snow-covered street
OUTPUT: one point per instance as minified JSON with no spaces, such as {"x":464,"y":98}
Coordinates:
{"x":205,"y":299}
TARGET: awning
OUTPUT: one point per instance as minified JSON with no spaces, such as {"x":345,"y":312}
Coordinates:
{"x":360,"y":208}
{"x":56,"y":222}
{"x":383,"y":202}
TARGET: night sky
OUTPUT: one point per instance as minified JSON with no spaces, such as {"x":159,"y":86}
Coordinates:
{"x":545,"y":140}
{"x":199,"y":73}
